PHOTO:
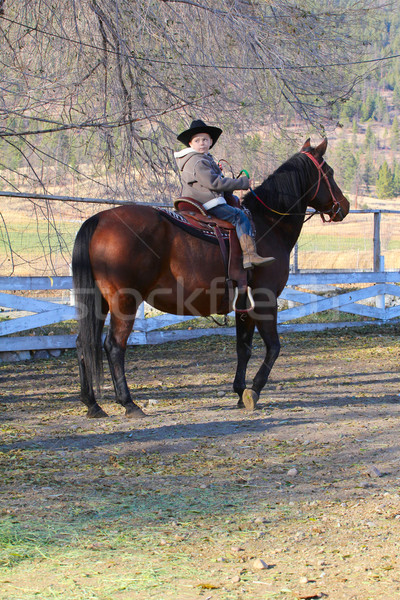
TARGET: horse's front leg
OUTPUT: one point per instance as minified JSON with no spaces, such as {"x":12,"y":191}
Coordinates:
{"x":115,"y":347}
{"x":267,"y":328}
{"x":244,"y":337}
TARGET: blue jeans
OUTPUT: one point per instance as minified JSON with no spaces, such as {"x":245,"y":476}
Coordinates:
{"x":233,"y":215}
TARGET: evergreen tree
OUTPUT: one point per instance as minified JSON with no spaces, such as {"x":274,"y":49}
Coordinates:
{"x":368,"y":108}
{"x":350,"y":171}
{"x":350,"y":109}
{"x":370,"y":140}
{"x":396,"y":178}
{"x":354,"y":131}
{"x":384,"y":182}
{"x":368,"y":174}
{"x":394,"y":135}
{"x":396,"y":96}
{"x":381,"y":113}
{"x":348,"y":164}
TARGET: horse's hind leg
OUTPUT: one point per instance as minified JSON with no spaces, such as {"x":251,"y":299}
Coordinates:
{"x":115,"y":347}
{"x":87,"y":392}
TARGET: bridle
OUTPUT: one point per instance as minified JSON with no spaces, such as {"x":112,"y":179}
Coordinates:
{"x":324,"y":176}
{"x":321,"y":175}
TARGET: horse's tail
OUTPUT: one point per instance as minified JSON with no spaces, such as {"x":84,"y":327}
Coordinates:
{"x":88,"y":304}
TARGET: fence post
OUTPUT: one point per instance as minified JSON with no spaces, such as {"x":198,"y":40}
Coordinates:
{"x":377,"y":241}
{"x":296,"y":258}
{"x":380,"y":300}
{"x":379,"y":260}
{"x":294,"y":268}
{"x":140,"y":317}
{"x":72,"y":296}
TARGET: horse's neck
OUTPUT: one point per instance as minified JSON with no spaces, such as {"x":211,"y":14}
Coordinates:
{"x":286,"y":229}
{"x":286,"y":207}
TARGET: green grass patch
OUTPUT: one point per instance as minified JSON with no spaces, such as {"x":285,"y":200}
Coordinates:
{"x":332,"y":243}
{"x":38,"y":238}
{"x":393,"y":245}
{"x":19,"y":543}
{"x":330,"y":316}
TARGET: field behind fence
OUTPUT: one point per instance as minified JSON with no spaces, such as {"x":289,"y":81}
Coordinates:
{"x":336,"y":269}
{"x":350,"y":245}
{"x":37,"y":236}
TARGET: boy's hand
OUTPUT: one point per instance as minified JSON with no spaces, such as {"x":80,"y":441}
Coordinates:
{"x":245,"y":182}
{"x":245,"y":177}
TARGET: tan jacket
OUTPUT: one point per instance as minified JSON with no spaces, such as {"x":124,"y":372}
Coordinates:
{"x":202,"y":179}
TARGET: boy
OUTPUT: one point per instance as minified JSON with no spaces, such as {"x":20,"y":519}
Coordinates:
{"x":202,"y":180}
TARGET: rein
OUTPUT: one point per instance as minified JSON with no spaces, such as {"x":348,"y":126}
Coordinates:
{"x":280,"y":213}
{"x":321,"y":175}
{"x":244,"y":172}
{"x":268,"y":207}
{"x":259,"y":199}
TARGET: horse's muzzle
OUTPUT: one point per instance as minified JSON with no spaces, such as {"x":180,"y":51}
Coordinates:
{"x":341,"y":210}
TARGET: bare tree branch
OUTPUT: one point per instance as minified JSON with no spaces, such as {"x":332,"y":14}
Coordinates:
{"x":112,"y":81}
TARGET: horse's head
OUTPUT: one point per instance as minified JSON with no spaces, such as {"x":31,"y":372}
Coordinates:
{"x":325,"y":195}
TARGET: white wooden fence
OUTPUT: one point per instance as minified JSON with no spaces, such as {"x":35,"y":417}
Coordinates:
{"x":367,"y":299}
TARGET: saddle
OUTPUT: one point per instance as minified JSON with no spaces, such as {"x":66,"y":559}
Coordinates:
{"x":236,"y":275}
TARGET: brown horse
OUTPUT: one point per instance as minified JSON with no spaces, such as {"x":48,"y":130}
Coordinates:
{"x":129,"y":254}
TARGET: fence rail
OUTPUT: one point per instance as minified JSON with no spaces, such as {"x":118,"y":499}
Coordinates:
{"x":305,"y":293}
{"x":352,"y":278}
{"x":37,"y":233}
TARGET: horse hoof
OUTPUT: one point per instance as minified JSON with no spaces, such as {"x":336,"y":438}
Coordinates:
{"x":134,"y":412}
{"x":240,"y":403}
{"x":250,"y":398}
{"x":96,"y":412}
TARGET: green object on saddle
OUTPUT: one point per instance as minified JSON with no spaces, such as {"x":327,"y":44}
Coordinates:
{"x":245,"y":173}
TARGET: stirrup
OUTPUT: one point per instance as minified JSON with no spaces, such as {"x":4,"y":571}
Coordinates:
{"x":250,"y":297}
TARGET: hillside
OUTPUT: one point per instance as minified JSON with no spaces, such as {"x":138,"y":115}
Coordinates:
{"x":69,"y":134}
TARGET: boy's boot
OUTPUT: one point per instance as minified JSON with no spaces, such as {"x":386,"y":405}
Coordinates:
{"x":250,"y":256}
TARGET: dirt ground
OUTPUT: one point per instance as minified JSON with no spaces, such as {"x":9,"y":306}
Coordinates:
{"x":200,"y":500}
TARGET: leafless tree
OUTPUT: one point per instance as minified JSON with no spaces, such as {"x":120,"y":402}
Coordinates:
{"x":94,"y":91}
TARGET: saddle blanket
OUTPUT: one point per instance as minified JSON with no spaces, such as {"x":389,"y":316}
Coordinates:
{"x":178,"y":219}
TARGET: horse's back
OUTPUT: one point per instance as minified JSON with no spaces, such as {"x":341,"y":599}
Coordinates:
{"x":127,"y":229}
{"x":124,"y":220}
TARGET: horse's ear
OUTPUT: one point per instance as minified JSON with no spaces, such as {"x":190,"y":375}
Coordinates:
{"x":306,"y":146}
{"x":321,"y":149}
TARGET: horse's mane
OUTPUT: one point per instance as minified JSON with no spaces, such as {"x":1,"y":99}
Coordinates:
{"x":282,"y":190}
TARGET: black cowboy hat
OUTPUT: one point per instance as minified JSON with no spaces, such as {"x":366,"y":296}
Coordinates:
{"x":199,"y":127}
